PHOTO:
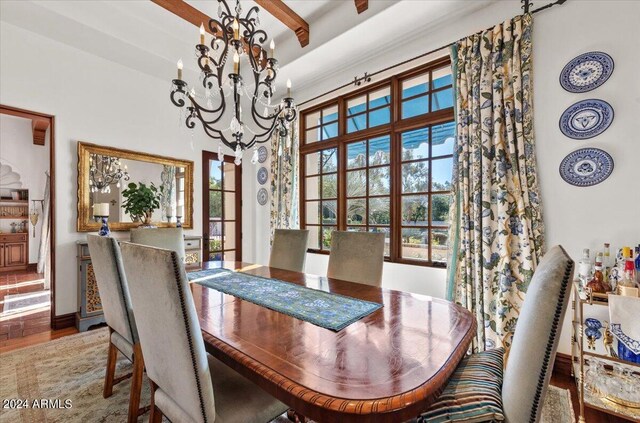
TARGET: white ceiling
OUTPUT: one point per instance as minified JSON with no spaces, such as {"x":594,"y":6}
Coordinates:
{"x":142,"y":35}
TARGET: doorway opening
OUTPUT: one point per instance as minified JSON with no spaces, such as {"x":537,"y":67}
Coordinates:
{"x":27,"y":223}
{"x":222,"y":213}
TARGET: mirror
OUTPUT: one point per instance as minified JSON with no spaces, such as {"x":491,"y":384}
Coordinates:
{"x":105,"y":173}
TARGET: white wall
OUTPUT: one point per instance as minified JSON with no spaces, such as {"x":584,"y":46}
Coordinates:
{"x":574,"y":217}
{"x":16,"y":144}
{"x":97,"y":101}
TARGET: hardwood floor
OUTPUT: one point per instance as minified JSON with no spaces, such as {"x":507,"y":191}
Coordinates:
{"x":28,"y":322}
{"x":591,"y":416}
{"x":30,"y":340}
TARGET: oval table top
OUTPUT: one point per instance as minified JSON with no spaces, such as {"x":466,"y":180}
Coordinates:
{"x":387,"y":366}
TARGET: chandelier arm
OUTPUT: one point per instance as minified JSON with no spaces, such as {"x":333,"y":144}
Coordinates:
{"x":177,"y":101}
{"x":189,"y":120}
{"x":213,"y":133}
{"x":254,"y":9}
{"x":259,"y":119}
{"x":226,"y":12}
{"x":268,"y":130}
{"x":255,"y":40}
{"x":203,"y":63}
{"x":207,"y":84}
{"x":217,"y":113}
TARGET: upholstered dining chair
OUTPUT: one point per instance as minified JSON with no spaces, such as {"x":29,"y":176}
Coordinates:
{"x":480,"y":391}
{"x":118,"y":313}
{"x":289,"y":249}
{"x":188,"y":385}
{"x":167,"y":238}
{"x":357,"y":257}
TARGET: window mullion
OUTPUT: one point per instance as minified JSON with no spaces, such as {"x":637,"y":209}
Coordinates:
{"x":394,"y":173}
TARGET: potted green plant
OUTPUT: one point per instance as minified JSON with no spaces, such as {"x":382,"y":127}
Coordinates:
{"x":140,"y":201}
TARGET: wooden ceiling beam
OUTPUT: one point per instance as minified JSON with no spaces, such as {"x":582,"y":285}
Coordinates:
{"x":287,"y":16}
{"x":196,"y":17}
{"x":361,"y":5}
{"x":188,"y":13}
{"x":39,"y":128}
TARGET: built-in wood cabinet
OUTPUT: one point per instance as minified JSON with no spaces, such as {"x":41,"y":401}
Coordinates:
{"x":14,"y":251}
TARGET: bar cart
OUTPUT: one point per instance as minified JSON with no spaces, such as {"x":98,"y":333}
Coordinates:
{"x":596,"y":372}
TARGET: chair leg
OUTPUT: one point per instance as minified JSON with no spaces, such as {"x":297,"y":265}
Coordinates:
{"x":111,"y":368}
{"x":136,"y":383}
{"x":156,"y":415}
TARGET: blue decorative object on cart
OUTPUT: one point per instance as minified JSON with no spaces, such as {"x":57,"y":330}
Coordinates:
{"x":586,"y":119}
{"x":586,"y":167}
{"x":628,"y":348}
{"x":631,"y":343}
{"x":586,"y":72}
{"x":593,"y":333}
{"x":263,"y":175}
{"x":592,"y":323}
{"x":626,"y":354}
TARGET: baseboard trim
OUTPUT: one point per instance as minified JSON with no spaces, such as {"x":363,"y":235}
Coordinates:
{"x":63,"y":321}
{"x":562,"y":365}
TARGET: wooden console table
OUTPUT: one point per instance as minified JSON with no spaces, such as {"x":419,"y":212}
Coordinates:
{"x":90,"y":306}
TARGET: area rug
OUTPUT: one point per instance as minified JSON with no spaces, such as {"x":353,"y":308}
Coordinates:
{"x":66,"y":377}
{"x":324,"y":309}
{"x":16,"y":303}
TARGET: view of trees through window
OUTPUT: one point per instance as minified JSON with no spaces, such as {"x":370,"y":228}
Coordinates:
{"x":369,"y":173}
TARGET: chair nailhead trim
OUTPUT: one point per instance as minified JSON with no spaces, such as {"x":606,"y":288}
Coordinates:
{"x":551,"y":341}
{"x":114,"y":249}
{"x":183,"y":306}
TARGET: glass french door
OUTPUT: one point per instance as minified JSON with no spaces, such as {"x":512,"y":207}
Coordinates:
{"x":222,"y":199}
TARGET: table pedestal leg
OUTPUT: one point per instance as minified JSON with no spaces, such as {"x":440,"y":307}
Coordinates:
{"x":296,"y":417}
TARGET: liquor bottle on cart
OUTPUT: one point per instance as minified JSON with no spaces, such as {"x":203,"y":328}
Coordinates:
{"x":584,"y":267}
{"x":627,"y":285}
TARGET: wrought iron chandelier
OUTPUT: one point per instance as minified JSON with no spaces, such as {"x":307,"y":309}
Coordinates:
{"x":236,"y":39}
{"x":105,"y":171}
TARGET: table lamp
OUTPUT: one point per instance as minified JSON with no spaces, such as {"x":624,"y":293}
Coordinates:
{"x":101,"y":212}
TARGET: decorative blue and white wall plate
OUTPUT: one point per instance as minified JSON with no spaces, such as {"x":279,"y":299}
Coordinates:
{"x":586,"y":119}
{"x":586,"y":167}
{"x":262,"y":196}
{"x":263,"y":175}
{"x":263,"y":153}
{"x":586,"y":72}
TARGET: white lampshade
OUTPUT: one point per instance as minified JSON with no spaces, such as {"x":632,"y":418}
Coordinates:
{"x":101,"y":209}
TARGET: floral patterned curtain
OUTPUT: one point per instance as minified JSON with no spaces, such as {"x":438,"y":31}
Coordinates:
{"x":168,"y":178}
{"x":496,"y":235}
{"x":284,"y":179}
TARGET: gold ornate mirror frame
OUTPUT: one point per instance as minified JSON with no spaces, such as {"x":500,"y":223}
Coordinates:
{"x":85,"y":222}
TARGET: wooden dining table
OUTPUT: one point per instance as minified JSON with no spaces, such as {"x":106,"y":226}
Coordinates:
{"x":386,"y":367}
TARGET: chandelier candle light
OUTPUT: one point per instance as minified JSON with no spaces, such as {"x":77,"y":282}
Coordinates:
{"x":239,"y":39}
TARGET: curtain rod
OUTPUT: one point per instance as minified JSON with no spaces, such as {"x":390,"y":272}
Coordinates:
{"x":367,"y":77}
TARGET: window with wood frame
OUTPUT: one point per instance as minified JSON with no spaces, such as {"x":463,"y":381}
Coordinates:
{"x":380,"y":160}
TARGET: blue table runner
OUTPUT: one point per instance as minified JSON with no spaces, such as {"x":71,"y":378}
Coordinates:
{"x":324,"y":309}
